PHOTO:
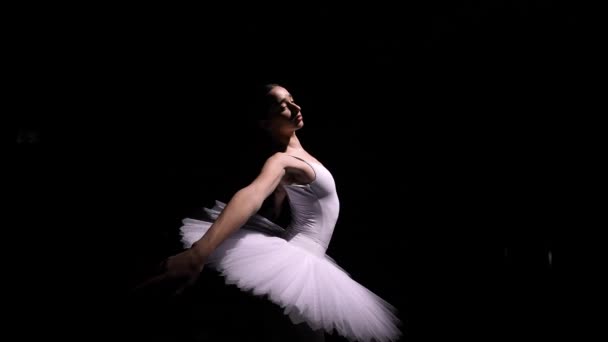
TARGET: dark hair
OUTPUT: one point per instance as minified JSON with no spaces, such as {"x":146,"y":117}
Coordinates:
{"x":261,"y":101}
{"x":257,"y":103}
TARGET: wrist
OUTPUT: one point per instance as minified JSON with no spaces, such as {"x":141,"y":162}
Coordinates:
{"x":201,"y":250}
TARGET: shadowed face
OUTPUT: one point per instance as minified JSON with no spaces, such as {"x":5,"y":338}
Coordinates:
{"x":283,"y":112}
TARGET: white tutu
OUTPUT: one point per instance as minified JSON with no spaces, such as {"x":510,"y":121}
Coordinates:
{"x":291,"y":268}
{"x":311,"y":288}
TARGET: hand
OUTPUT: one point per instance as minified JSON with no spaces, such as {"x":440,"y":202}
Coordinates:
{"x":179,"y":271}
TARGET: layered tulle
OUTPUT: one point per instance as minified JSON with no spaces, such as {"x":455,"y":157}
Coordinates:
{"x":311,"y":288}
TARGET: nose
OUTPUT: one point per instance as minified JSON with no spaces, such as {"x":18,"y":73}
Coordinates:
{"x":293,"y":105}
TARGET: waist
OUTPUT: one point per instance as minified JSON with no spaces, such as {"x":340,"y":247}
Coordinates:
{"x":308,"y":244}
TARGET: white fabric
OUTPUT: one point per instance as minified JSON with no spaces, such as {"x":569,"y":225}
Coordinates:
{"x":291,"y":268}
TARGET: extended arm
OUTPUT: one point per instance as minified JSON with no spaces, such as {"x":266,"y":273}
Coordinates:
{"x":185,"y":267}
{"x":244,"y":204}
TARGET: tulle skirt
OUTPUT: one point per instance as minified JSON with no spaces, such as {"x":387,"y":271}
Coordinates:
{"x":310,"y":287}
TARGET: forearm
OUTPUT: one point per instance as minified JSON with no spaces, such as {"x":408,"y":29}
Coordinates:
{"x":244,"y":204}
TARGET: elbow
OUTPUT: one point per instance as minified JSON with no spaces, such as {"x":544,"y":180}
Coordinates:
{"x":250,"y":198}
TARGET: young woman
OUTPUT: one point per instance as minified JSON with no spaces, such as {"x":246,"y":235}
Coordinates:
{"x":288,"y":265}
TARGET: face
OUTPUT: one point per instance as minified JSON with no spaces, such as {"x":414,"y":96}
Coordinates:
{"x":284,"y":113}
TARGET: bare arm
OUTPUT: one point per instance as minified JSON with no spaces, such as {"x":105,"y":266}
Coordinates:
{"x":186,"y":266}
{"x":244,"y":204}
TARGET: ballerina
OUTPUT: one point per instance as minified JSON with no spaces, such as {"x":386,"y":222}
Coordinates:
{"x":287,"y":265}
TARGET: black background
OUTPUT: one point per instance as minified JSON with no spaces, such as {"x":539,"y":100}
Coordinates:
{"x":444,"y":124}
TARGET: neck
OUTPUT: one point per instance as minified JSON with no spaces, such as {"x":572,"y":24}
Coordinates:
{"x":287,"y":143}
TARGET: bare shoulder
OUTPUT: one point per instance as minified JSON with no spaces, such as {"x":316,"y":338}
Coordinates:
{"x":294,"y":169}
{"x":287,"y":164}
{"x":277,"y":163}
{"x":283,"y":160}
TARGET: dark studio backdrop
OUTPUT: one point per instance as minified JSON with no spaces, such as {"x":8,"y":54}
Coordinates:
{"x":441,"y":124}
